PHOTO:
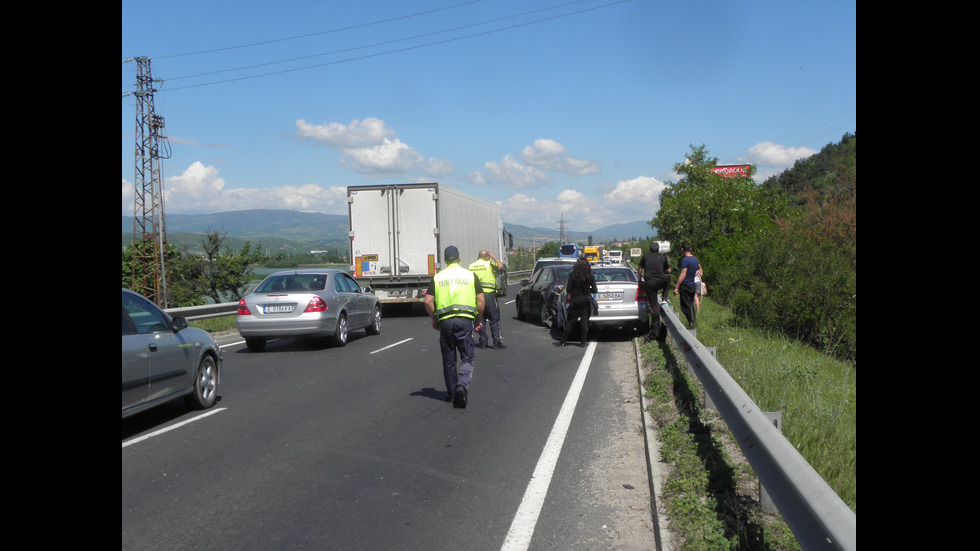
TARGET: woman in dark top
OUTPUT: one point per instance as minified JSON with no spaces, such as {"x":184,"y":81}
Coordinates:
{"x":580,"y":287}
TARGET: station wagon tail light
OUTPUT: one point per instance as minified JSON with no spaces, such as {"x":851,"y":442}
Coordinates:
{"x":243,"y":308}
{"x":316,"y":305}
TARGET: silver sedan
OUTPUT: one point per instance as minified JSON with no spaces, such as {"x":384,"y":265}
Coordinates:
{"x":319,"y":303}
{"x":621,"y":298}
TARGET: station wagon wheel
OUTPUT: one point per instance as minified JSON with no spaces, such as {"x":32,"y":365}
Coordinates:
{"x":375,"y":327}
{"x":520,"y":310}
{"x":205,"y":392}
{"x":544,"y":314}
{"x":340,"y":337}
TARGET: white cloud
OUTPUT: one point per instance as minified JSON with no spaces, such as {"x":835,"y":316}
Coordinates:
{"x":775,"y":155}
{"x":552,"y":156}
{"x":199,"y":189}
{"x":370,"y":147}
{"x":629,"y":201}
{"x":532,"y":169}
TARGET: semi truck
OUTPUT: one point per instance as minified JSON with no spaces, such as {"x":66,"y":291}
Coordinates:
{"x":398,"y":234}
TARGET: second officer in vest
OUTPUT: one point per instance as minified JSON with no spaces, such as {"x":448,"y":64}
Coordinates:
{"x":455,"y":303}
{"x":486,"y":267}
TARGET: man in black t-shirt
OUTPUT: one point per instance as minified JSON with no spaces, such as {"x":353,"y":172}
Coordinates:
{"x":654,"y":272}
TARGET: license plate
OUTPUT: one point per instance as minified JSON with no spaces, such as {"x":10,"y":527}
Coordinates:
{"x":610,"y":296}
{"x":278,"y":309}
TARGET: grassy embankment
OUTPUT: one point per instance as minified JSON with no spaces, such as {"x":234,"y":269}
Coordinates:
{"x":711,"y":493}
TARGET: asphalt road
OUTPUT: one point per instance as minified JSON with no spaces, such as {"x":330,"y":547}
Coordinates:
{"x":314,"y":447}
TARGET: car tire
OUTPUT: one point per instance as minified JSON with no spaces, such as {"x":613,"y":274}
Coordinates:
{"x":520,"y":311}
{"x":340,"y":337}
{"x":255,"y":345}
{"x":543,"y":314}
{"x":205,"y":392}
{"x":375,"y":327}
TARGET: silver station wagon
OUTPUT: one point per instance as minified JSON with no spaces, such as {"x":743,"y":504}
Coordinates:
{"x":164,"y":359}
{"x":315,"y":303}
{"x":621,"y":298}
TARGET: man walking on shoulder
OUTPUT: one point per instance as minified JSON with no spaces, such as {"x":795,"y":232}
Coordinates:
{"x":685,"y":284}
{"x":455,"y":302}
{"x":654,"y":272}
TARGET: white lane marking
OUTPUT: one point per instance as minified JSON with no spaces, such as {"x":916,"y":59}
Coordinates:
{"x":522,"y":527}
{"x":391,"y":345}
{"x":172,"y":427}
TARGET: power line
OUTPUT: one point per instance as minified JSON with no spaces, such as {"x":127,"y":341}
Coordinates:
{"x":416,"y":47}
{"x":351,"y":27}
{"x":375,"y":44}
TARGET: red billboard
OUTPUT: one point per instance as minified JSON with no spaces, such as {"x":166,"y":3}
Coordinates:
{"x":731,"y":171}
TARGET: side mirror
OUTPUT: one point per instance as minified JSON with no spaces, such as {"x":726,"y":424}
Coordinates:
{"x":180,"y":324}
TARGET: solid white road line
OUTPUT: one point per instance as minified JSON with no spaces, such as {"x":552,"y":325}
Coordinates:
{"x":391,"y":345}
{"x":522,"y":527}
{"x":171,"y":427}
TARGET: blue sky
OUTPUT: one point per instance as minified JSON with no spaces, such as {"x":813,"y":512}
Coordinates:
{"x":556,"y":109}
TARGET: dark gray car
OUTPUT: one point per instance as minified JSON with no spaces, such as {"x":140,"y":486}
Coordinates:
{"x":317,"y":303}
{"x":164,"y":359}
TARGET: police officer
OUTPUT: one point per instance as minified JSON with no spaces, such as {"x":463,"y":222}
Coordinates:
{"x":454,"y":303}
{"x":486,"y":267}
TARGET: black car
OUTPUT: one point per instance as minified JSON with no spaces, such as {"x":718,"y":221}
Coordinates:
{"x":538,"y":297}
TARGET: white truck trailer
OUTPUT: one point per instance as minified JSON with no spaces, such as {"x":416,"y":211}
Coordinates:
{"x":398,"y":234}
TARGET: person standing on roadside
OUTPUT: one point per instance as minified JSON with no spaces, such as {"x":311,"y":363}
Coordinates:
{"x":580,"y":287}
{"x":685,"y":284}
{"x":486,"y":267}
{"x":455,"y":303}
{"x":654,"y":272}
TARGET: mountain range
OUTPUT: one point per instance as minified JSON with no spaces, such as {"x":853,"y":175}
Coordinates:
{"x":289,"y":229}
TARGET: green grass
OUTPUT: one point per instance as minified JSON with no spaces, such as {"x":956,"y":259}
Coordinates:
{"x":215,"y":325}
{"x":711,"y":493}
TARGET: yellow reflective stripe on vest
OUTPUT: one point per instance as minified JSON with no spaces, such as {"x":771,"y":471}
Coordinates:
{"x":455,"y":294}
{"x":484,"y":270}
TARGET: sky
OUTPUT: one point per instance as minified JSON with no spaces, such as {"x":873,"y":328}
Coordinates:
{"x":563,"y":112}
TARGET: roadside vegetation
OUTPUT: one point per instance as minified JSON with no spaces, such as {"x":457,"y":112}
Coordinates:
{"x":711,"y":493}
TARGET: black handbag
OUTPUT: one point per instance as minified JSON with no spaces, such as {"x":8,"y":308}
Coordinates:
{"x":595,"y":305}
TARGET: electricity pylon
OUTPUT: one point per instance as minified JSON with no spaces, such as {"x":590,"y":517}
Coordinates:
{"x":149,"y":230}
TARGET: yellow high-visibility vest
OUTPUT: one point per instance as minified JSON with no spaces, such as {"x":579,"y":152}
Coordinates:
{"x":484,"y":270}
{"x":455,"y":294}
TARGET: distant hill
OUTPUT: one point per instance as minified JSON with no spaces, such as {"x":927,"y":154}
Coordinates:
{"x":289,"y":231}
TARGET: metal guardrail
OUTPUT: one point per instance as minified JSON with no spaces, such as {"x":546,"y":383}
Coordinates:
{"x":818,"y":517}
{"x":206,"y":311}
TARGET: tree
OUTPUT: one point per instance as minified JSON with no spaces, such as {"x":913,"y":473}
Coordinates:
{"x":711,"y":212}
{"x":226,"y":275}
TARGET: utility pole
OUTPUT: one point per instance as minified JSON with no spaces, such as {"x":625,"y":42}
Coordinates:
{"x":149,"y":231}
{"x":561,"y":230}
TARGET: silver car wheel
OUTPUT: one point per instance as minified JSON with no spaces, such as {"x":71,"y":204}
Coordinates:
{"x":205,"y":392}
{"x":375,"y":327}
{"x":340,"y":337}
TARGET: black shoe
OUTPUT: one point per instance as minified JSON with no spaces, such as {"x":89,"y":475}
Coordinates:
{"x":460,"y":400}
{"x":560,"y":343}
{"x":481,"y":345}
{"x":583,"y":344}
{"x":499,"y":346}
